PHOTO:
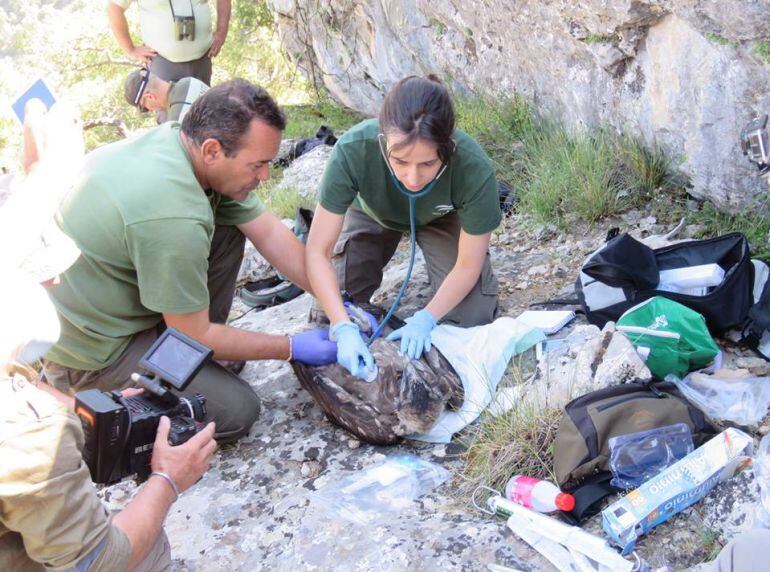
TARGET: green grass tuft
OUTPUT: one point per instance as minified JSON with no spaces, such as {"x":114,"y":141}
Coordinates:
{"x":598,"y":38}
{"x":751,"y":221}
{"x":519,"y":441}
{"x":498,"y":126}
{"x":762,"y":49}
{"x":721,"y":40}
{"x":592,"y":175}
{"x":555,"y":172}
{"x":282,"y":200}
{"x":304,"y":120}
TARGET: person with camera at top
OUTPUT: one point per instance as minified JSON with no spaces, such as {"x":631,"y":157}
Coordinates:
{"x":169,"y":100}
{"x":177,"y":35}
{"x":161,"y":221}
{"x":50,"y":514}
{"x":410,"y":168}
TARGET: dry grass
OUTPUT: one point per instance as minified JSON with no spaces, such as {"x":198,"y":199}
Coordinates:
{"x":518,"y":442}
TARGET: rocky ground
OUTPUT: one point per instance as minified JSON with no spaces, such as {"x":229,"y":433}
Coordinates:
{"x":253,"y":510}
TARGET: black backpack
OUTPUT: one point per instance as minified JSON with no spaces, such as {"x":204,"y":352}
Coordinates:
{"x":756,"y":329}
{"x":624,"y":272}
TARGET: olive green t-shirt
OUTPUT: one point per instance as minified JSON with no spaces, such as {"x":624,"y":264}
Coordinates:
{"x":356,"y":174}
{"x":144,"y":226}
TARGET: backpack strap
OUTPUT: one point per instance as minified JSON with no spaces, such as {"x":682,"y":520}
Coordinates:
{"x":757,"y":322}
{"x":589,"y":494}
{"x":557,"y":302}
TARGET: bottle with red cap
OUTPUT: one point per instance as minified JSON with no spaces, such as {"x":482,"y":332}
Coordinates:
{"x":538,"y":495}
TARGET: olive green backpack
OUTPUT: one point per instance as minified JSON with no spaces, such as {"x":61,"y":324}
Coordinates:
{"x":581,"y":449}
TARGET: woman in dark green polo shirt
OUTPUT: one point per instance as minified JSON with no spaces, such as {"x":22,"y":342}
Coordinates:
{"x":362,"y":214}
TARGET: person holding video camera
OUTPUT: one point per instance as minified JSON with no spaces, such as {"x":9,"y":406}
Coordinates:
{"x":161,"y":221}
{"x":50,"y":514}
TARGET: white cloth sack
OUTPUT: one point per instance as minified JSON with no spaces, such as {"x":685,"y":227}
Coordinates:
{"x":479,"y":356}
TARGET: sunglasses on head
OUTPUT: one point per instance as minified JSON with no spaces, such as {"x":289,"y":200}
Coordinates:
{"x":144,"y":75}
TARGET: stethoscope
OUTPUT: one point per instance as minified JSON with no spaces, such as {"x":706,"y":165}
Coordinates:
{"x":412,"y":198}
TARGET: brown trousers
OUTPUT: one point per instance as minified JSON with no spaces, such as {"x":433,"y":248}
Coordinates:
{"x":174,"y":71}
{"x":230,"y":401}
{"x":365,"y":247}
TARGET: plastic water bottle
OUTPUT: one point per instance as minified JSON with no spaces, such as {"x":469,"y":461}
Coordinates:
{"x":538,"y":495}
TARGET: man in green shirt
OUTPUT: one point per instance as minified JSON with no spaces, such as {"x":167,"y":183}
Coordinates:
{"x":410,"y":153}
{"x":161,"y":222}
{"x":170,"y":100}
{"x":51,"y":516}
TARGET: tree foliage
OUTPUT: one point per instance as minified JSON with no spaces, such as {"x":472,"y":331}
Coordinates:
{"x":70,"y":45}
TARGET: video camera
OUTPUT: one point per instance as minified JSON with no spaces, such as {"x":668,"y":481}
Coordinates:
{"x":120,"y":431}
{"x":754,"y":143}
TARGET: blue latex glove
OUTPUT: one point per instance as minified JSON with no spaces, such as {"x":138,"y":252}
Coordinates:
{"x":313,"y":347}
{"x":415,"y":335}
{"x":352,"y":353}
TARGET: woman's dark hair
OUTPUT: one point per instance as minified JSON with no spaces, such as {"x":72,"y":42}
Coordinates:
{"x":225,"y":112}
{"x":420,"y":108}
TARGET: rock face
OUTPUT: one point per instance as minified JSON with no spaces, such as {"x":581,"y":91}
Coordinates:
{"x":684,"y":74}
{"x":304,"y":173}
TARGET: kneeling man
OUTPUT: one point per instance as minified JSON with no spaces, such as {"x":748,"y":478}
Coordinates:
{"x":161,"y":221}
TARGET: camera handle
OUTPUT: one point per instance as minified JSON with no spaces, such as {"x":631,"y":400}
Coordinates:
{"x":153,"y":385}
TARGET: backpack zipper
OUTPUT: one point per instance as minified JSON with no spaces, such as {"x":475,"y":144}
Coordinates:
{"x":655,"y":395}
{"x":577,"y":410}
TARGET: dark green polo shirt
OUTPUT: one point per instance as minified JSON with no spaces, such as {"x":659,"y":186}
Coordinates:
{"x":356,"y":174}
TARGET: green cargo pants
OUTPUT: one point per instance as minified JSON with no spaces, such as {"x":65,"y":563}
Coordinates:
{"x":365,"y":247}
{"x":230,"y":401}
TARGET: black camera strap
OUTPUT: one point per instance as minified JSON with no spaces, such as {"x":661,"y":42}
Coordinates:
{"x":173,"y":12}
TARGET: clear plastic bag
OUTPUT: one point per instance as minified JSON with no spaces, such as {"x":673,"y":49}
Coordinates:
{"x":637,"y":457}
{"x":742,"y":400}
{"x":762,"y":475}
{"x":383,"y":488}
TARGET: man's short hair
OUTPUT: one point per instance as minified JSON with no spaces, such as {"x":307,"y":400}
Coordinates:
{"x":225,"y":112}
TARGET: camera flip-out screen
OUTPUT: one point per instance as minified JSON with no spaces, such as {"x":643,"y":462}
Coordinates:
{"x":175,"y":358}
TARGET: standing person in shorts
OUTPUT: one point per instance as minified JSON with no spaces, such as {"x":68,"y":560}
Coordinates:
{"x":177,"y":35}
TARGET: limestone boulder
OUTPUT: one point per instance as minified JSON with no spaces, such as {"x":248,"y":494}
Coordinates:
{"x":683,"y":74}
